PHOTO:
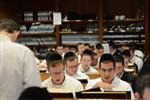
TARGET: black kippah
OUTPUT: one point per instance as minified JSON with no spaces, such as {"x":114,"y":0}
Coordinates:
{"x":87,"y":52}
{"x":126,"y":53}
{"x":35,"y":93}
{"x":53,"y":57}
{"x":68,"y":55}
{"x":107,"y":57}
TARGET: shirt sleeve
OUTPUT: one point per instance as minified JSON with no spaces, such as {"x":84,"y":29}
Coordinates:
{"x":130,"y":89}
{"x":79,"y":87}
{"x":91,"y":84}
{"x":31,"y":73}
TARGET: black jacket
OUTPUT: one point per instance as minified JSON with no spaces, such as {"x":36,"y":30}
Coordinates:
{"x":130,"y":78}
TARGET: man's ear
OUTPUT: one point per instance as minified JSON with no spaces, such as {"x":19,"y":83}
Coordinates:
{"x":137,"y":96}
{"x":15,"y":35}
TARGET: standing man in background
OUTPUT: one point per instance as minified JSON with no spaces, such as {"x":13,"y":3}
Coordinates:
{"x":18,"y":68}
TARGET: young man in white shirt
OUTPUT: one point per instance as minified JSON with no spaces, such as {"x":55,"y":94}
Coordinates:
{"x":108,"y":81}
{"x":71,"y":65}
{"x":58,"y":81}
{"x":85,"y":63}
{"x":80,"y":48}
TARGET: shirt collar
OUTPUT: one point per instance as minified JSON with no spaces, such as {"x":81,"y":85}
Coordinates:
{"x":54,"y":85}
{"x":4,"y":38}
{"x":114,"y":82}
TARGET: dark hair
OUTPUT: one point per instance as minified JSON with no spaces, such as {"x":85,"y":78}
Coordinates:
{"x":119,"y":58}
{"x":132,"y":46}
{"x":9,"y":25}
{"x":112,"y":44}
{"x":79,"y":44}
{"x":147,"y":59}
{"x":107,"y":57}
{"x":87,"y":53}
{"x":70,"y":56}
{"x":145,"y":70}
{"x":99,"y":46}
{"x":126,"y":53}
{"x":53,"y":58}
{"x":65,"y":46}
{"x":141,"y":83}
{"x":86,"y":44}
{"x":35,"y":93}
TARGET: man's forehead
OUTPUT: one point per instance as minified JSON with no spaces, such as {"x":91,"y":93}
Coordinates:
{"x":146,"y":94}
{"x":107,"y":65}
{"x":58,"y":65}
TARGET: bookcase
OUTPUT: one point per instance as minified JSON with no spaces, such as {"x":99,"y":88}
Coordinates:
{"x":37,"y":33}
{"x":89,"y":21}
{"x":124,"y":31}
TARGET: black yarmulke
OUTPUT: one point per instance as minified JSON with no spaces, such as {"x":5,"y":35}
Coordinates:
{"x":53,"y":57}
{"x":99,"y":46}
{"x":87,"y":52}
{"x":107,"y":57}
{"x":126,"y":53}
{"x":35,"y":93}
{"x":69,"y":54}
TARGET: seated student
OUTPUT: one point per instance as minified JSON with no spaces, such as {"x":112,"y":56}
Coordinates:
{"x":113,"y":48}
{"x":123,"y":75}
{"x":65,"y":49}
{"x":128,"y":65}
{"x":143,"y":88}
{"x":43,"y":65}
{"x":35,"y":93}
{"x":138,"y":59}
{"x":87,"y":46}
{"x":99,"y":50}
{"x":86,"y":60}
{"x":60,"y":50}
{"x":147,"y":59}
{"x":108,"y":81}
{"x":143,"y":83}
{"x":80,"y":48}
{"x":58,"y":80}
{"x":71,"y":65}
{"x":95,"y":60}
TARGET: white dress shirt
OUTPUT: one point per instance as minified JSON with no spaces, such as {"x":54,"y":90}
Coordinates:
{"x":79,"y":75}
{"x":18,"y":69}
{"x":70,"y":85}
{"x":118,"y":85}
{"x":91,"y":70}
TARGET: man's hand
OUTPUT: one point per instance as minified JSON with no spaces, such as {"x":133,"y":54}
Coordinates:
{"x":104,"y":86}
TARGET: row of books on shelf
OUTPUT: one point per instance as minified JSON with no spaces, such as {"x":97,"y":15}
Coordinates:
{"x":73,"y":39}
{"x":125,"y":41}
{"x":41,"y":15}
{"x":133,"y":27}
{"x":37,"y":41}
{"x":78,"y":41}
{"x":38,"y":28}
{"x":89,"y":27}
{"x":123,"y":36}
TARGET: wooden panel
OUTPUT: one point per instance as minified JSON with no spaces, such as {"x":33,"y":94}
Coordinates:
{"x":147,"y":27}
{"x":35,"y":5}
{"x":80,"y":6}
{"x":119,"y":7}
{"x":94,"y":75}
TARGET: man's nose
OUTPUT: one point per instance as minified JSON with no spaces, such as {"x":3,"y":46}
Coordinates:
{"x":107,"y":73}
